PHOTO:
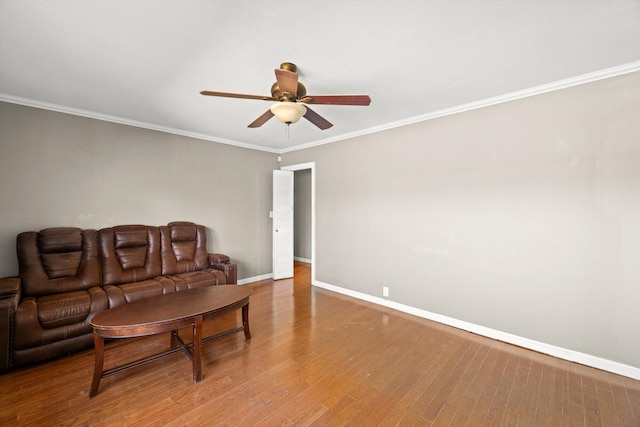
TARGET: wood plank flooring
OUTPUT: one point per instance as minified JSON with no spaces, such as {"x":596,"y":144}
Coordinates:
{"x":319,"y":358}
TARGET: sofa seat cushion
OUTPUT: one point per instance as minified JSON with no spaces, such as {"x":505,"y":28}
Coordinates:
{"x":198,"y":279}
{"x":62,"y":318}
{"x":63,"y":309}
{"x":130,"y":292}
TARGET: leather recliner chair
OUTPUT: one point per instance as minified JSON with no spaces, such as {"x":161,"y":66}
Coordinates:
{"x":60,"y":293}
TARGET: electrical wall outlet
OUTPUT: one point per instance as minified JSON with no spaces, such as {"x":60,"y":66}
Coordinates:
{"x":385,"y":291}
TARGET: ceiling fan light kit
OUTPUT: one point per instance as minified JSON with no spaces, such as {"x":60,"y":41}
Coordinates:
{"x":291,"y":100}
{"x":288,"y":112}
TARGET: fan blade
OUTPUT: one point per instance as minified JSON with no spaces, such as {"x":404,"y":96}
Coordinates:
{"x":236,"y":95}
{"x":287,"y":81}
{"x":338,"y":99}
{"x":317,"y":119}
{"x":261,"y":120}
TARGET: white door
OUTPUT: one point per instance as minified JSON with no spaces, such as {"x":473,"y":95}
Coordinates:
{"x":282,"y":224}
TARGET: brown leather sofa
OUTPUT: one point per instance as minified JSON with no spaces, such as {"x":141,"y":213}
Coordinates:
{"x":68,"y":275}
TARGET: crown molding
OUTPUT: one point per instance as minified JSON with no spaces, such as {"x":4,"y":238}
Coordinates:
{"x":533,"y":91}
{"x":512,"y":96}
{"x":121,"y":120}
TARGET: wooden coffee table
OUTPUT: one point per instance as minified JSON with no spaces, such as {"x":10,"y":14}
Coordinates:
{"x":168,"y":313}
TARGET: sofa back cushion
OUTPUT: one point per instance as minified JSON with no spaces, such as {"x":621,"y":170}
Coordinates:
{"x":55,"y":260}
{"x":129,"y":253}
{"x":184,"y":247}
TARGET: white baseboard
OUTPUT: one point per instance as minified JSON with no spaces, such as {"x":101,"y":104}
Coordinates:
{"x":552,"y":350}
{"x":305,"y":260}
{"x":255,"y":279}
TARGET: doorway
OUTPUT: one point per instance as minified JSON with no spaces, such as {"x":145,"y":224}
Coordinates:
{"x":302,"y":216}
{"x":305,"y":201}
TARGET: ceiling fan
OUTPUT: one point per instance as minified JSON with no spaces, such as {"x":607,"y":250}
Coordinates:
{"x":291,"y":100}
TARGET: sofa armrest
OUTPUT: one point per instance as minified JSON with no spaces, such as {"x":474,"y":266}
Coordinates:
{"x":9,"y":286}
{"x":9,"y":299}
{"x":223,"y":263}
{"x":219,"y":259}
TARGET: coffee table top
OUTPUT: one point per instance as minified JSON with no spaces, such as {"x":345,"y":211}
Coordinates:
{"x":150,"y":315}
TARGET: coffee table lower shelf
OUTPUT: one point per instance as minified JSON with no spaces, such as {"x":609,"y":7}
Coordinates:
{"x":186,"y":348}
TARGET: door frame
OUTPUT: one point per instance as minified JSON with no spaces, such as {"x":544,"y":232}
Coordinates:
{"x":312,"y":167}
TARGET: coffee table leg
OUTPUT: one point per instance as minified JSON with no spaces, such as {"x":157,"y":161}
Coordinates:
{"x":99,"y":364}
{"x":197,"y":350}
{"x":174,"y":341}
{"x":245,"y":321}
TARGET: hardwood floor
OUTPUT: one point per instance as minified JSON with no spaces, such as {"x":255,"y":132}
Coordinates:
{"x":320,"y":358}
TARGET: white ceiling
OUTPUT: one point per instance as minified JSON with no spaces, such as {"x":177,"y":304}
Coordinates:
{"x":145,"y":62}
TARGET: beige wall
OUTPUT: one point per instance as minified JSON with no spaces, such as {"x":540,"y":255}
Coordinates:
{"x":63,"y":170}
{"x":522,"y":217}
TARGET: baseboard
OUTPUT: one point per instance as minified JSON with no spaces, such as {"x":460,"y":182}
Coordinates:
{"x":255,"y":279}
{"x":552,"y":350}
{"x":305,"y":260}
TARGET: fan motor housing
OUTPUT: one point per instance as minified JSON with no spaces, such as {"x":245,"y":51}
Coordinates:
{"x":289,"y":66}
{"x":285,"y":96}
